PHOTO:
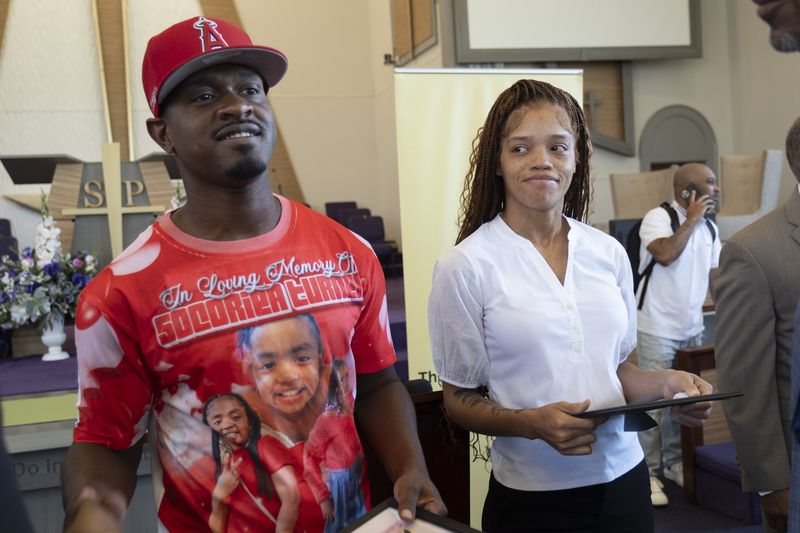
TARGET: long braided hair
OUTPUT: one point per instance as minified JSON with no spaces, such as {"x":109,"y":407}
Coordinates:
{"x":484,"y":192}
{"x":254,"y":423}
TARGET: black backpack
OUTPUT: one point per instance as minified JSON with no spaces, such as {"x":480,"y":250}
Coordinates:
{"x":633,"y":244}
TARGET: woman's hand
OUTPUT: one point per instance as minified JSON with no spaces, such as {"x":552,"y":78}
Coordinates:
{"x":679,"y":382}
{"x":228,"y":481}
{"x":557,"y":425}
{"x":327,"y":509}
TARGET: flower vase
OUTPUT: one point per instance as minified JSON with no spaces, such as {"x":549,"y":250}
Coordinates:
{"x":53,"y":336}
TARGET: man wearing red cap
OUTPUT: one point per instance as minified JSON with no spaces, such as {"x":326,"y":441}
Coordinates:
{"x":157,"y":329}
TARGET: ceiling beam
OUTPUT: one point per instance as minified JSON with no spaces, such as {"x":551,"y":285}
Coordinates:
{"x":112,"y":36}
{"x":4,"y":5}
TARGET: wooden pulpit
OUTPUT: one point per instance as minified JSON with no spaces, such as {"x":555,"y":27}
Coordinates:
{"x":446,"y":449}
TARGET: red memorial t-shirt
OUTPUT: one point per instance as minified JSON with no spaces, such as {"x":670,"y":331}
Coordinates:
{"x":176,"y":322}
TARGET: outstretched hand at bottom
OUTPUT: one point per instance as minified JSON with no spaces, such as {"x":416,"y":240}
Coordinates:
{"x":415,"y":489}
{"x":98,"y":514}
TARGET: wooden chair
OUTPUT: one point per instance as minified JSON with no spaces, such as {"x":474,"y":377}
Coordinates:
{"x":749,"y":186}
{"x":636,"y":193}
{"x":712,"y":439}
{"x":700,"y":361}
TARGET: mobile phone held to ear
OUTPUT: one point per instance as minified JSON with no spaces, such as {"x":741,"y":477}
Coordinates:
{"x":686,"y":194}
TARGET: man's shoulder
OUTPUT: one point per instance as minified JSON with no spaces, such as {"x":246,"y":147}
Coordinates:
{"x":752,"y":235}
{"x":658,"y":215}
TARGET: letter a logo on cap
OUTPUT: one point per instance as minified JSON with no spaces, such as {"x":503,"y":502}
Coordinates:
{"x":210,"y":38}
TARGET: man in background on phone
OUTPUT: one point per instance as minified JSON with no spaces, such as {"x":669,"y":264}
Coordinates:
{"x":756,"y":297}
{"x":670,"y":313}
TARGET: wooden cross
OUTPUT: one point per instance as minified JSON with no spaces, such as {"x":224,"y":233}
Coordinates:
{"x":114,"y":210}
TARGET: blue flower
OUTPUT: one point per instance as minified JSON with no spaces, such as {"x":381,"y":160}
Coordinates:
{"x":27,"y":252}
{"x":51,"y":269}
{"x":79,"y":280}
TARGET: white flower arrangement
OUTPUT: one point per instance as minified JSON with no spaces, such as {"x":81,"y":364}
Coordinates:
{"x":43,"y":283}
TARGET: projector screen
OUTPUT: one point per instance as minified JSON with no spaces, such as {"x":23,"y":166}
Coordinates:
{"x":513,"y":31}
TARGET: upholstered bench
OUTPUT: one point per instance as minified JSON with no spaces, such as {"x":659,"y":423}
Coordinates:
{"x":718,"y":483}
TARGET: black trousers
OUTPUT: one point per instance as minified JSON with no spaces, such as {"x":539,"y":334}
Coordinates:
{"x":619,"y":506}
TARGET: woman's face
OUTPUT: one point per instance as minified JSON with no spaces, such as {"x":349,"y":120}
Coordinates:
{"x":227,"y":416}
{"x":537,"y":159}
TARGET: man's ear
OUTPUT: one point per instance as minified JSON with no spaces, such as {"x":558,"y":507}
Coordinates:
{"x":157,"y":128}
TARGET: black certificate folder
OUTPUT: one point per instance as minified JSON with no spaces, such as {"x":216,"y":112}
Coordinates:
{"x":384,"y":518}
{"x":636,"y":417}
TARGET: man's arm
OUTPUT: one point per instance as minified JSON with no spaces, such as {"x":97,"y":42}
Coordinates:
{"x":98,"y":484}
{"x":745,"y":355}
{"x":668,"y":249}
{"x":388,"y":421}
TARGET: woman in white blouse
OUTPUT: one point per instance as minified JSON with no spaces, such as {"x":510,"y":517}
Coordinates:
{"x":537,"y":307}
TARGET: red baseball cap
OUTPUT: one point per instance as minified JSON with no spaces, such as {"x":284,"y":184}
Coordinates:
{"x":197,"y":43}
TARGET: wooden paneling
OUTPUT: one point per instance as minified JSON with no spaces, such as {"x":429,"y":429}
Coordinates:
{"x":603,"y":98}
{"x":281,"y":173}
{"x":64,"y":194}
{"x":4,"y":4}
{"x":422,"y":21}
{"x":112,"y":32}
{"x":221,"y":9}
{"x":401,"y":28}
{"x":157,"y":183}
{"x":413,"y":28}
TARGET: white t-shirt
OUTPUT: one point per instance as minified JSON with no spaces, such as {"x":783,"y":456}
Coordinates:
{"x":499,"y":317}
{"x":673,"y":304}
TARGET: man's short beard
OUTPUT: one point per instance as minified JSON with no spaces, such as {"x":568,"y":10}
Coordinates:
{"x":786,"y":40}
{"x":247,"y":169}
